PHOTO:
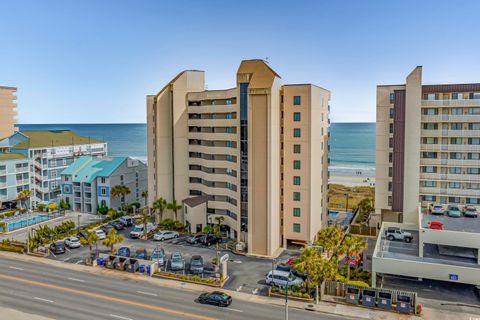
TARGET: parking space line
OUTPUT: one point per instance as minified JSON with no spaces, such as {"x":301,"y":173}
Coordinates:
{"x":53,"y":254}
{"x":119,"y":317}
{"x":16,"y":268}
{"x":78,"y":262}
{"x":148,"y":293}
{"x":44,"y":300}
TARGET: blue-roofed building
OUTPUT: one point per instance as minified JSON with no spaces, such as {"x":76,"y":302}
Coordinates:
{"x":87,"y":182}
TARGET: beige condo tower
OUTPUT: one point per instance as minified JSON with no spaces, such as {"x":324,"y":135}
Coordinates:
{"x":8,"y":111}
{"x":254,"y":157}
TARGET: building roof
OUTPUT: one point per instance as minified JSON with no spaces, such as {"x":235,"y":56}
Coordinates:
{"x":196,"y":201}
{"x":52,"y":138}
{"x":11,"y":156}
{"x":262,"y":75}
{"x":8,"y":88}
{"x":87,"y":168}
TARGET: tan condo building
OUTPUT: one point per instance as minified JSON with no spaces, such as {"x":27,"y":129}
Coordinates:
{"x":254,"y":157}
{"x":8,"y":111}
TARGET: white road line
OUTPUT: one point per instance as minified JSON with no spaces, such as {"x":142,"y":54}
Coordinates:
{"x":16,"y":268}
{"x":236,"y":310}
{"x":147,"y":293}
{"x":239,"y":288}
{"x":119,"y":317}
{"x":78,"y":262}
{"x":66,"y":259}
{"x":44,"y":300}
{"x":78,"y":280}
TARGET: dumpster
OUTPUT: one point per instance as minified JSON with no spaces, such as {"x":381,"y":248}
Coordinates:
{"x":385,"y":300}
{"x":369,"y":297}
{"x":121,"y":263}
{"x":352,"y":295}
{"x":404,"y":304}
{"x":131,"y":265}
{"x":111,"y":262}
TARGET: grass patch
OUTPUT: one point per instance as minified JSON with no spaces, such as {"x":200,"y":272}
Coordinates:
{"x":336,"y":194}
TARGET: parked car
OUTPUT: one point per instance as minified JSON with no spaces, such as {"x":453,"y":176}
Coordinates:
{"x":107,"y":227}
{"x":435,"y":225}
{"x":196,"y":238}
{"x":137,"y":231}
{"x":57,"y":247}
{"x":394,"y":233}
{"x":165,"y":235}
{"x":72,"y":242}
{"x":281,"y":278}
{"x":100,"y":234}
{"x":289,"y":268}
{"x":158,"y":256}
{"x":176,"y":261}
{"x":210,"y":239}
{"x":117,"y":225}
{"x":141,"y":253}
{"x":124,"y":252}
{"x":127,"y":221}
{"x":196,"y":264}
{"x":216,"y":298}
{"x":454,"y":211}
{"x":438,"y":209}
{"x":82,"y":234}
{"x":470,"y":211}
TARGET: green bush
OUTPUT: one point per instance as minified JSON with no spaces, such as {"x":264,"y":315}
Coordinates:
{"x":103,"y":209}
{"x":40,"y":207}
{"x":10,"y":213}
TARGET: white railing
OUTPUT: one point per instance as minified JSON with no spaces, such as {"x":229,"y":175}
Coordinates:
{"x":451,"y":103}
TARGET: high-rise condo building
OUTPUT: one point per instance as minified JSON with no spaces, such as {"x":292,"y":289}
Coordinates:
{"x":8,"y":111}
{"x":253,"y":157}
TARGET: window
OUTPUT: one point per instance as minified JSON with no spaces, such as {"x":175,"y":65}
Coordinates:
{"x":456,"y":126}
{"x":392,"y":97}
{"x":390,"y":172}
{"x":296,"y":212}
{"x":64,"y":162}
{"x":457,"y":111}
{"x":431,"y":96}
{"x":296,"y":227}
{"x":296,"y":100}
{"x":390,"y":142}
{"x":391,"y":128}
{"x":473,"y":110}
{"x":53,"y":174}
{"x":474,"y":126}
{"x":475,"y":141}
{"x":103,"y":180}
{"x":296,"y":132}
{"x":430,"y":140}
{"x":428,"y":184}
{"x":455,"y":140}
{"x":429,"y":155}
{"x":296,"y":116}
{"x":391,"y":113}
{"x":296,"y":196}
{"x":228,"y":102}
{"x":103,"y":191}
{"x":454,"y":185}
{"x":454,"y":170}
{"x":473,"y":170}
{"x":430,"y":111}
{"x":474,"y":95}
{"x":473,"y":156}
{"x":66,"y":189}
{"x":296,"y":148}
{"x":473,"y":200}
{"x":454,"y":199}
{"x":390,"y":185}
{"x":296,"y":180}
{"x":390,"y":157}
{"x":457,"y":96}
{"x":429,"y":198}
{"x":430,"y":126}
{"x":296,"y":164}
{"x":473,"y":186}
{"x":390,"y":201}
{"x":456,"y":155}
{"x":429,"y":169}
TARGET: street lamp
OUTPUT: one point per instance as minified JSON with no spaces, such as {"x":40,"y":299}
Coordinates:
{"x":286,"y":302}
{"x":346,"y":195}
{"x":273,"y":266}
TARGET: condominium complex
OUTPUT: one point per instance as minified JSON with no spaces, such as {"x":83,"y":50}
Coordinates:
{"x":87,"y":182}
{"x":428,"y":152}
{"x":8,"y":111}
{"x":47,"y":154}
{"x":254,"y":156}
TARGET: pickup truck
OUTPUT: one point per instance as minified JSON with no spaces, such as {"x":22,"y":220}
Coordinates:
{"x":394,"y":233}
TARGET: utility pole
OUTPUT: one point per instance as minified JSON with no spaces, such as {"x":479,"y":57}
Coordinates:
{"x":346,"y":195}
{"x":286,"y":302}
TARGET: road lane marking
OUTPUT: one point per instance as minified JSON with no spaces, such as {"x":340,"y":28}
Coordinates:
{"x":74,"y":279}
{"x":16,"y":268}
{"x":78,"y":262}
{"x":107,"y":298}
{"x":236,"y":310}
{"x":148,"y":293}
{"x":239,"y":288}
{"x":119,"y":317}
{"x":44,"y":300}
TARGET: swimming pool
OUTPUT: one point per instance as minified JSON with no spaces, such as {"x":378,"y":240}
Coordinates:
{"x":17,"y":224}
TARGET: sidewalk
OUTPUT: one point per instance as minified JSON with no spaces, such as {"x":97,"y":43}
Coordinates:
{"x":349,"y":311}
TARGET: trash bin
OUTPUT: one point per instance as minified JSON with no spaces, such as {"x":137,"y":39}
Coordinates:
{"x":385,"y":300}
{"x":369,"y":297}
{"x":132,"y":265}
{"x":353,"y":295}
{"x":142,"y":268}
{"x":100,"y":262}
{"x":121,"y":263}
{"x":404,"y":304}
{"x":111,"y":262}
{"x":149,"y":268}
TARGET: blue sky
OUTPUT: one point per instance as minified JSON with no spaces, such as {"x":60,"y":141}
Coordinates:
{"x":94,"y":61}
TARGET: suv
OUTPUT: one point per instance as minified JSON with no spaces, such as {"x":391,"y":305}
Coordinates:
{"x":282,"y":278}
{"x":127,"y":221}
{"x":437,"y":209}
{"x":393,"y":233}
{"x":210,"y":239}
{"x":196,"y":264}
{"x":196,"y":238}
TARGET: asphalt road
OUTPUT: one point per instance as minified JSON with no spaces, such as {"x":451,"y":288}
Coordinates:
{"x":59,"y":293}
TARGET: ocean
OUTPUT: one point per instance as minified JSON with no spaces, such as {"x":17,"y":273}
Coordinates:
{"x":352,"y":145}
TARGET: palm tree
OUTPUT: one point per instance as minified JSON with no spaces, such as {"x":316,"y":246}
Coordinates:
{"x":145,"y":196}
{"x":159,"y":206}
{"x":174,"y":206}
{"x":112,"y":239}
{"x":90,"y":240}
{"x":352,"y":246}
{"x":366,"y":206}
{"x":219,"y":220}
{"x":144,"y":219}
{"x":330,"y":239}
{"x":120,"y":191}
{"x":23,"y":196}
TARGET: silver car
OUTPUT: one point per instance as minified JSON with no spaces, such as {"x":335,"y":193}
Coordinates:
{"x":72,"y":242}
{"x":438,"y":209}
{"x":470,"y":211}
{"x":176,"y":261}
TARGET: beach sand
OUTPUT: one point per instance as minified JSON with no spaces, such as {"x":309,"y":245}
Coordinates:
{"x":352,"y":181}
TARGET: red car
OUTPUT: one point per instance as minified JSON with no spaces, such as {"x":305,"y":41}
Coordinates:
{"x":293,"y":261}
{"x":435,"y":225}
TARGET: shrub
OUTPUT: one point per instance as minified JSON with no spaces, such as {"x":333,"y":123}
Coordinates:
{"x":11,"y":213}
{"x":41,"y":207}
{"x":103,"y":209}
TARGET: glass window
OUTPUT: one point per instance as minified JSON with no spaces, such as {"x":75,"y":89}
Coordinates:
{"x":296,"y":164}
{"x":456,"y":126}
{"x":428,"y":184}
{"x":430,"y":111}
{"x":391,"y":113}
{"x":473,"y":156}
{"x":429,"y":198}
{"x":474,"y":141}
{"x":296,"y":148}
{"x":430,"y":126}
{"x":454,"y":199}
{"x":431,"y":96}
{"x":296,"y":196}
{"x":392,"y":97}
{"x":296,"y":212}
{"x":473,"y":110}
{"x":473,"y":170}
{"x":474,"y":126}
{"x":296,"y":132}
{"x":429,"y":155}
{"x":429,"y":169}
{"x":474,"y":95}
{"x":454,"y":185}
{"x":430,"y":140}
{"x":296,"y":116}
{"x":296,"y":100}
{"x":473,"y":186}
{"x":455,"y":140}
{"x":456,"y":155}
{"x":457,"y":111}
{"x":473,"y":200}
{"x":296,"y":227}
{"x":455,"y":170}
{"x":296,"y":180}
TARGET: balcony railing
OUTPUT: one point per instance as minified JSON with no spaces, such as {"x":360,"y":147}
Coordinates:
{"x":451,"y":103}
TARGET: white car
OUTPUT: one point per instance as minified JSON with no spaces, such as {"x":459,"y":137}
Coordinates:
{"x":137,"y":231}
{"x":72,"y":242}
{"x":165,"y":235}
{"x":282,"y":278}
{"x":100,"y":234}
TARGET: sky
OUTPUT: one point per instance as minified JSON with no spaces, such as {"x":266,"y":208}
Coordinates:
{"x":95,"y":61}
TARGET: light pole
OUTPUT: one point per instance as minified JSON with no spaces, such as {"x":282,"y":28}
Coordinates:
{"x":28,"y":231}
{"x":273,"y":266}
{"x":346,"y":195}
{"x":286,"y":302}
{"x":78,"y":223}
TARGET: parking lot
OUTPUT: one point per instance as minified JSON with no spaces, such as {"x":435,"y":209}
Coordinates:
{"x":246,"y":274}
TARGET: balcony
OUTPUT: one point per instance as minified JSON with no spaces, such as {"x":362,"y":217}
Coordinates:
{"x":22,"y":182}
{"x":77,"y":189}
{"x":77,"y":199}
{"x":450,"y":147}
{"x":451,"y":103}
{"x":3,"y":172}
{"x":87,"y":189}
{"x":3,"y":185}
{"x":451,"y":118}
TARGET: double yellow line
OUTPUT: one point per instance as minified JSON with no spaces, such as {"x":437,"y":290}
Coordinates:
{"x":104,"y":297}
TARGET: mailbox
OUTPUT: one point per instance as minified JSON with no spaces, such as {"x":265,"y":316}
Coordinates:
{"x":369,"y":298}
{"x":385,"y":300}
{"x":404,"y":304}
{"x":353,"y":295}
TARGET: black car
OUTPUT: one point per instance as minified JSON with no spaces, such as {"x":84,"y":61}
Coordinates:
{"x":57,"y":247}
{"x":216,"y":298}
{"x":196,"y":238}
{"x":82,"y":234}
{"x":107,"y":227}
{"x":117,"y":225}
{"x":210,"y":239}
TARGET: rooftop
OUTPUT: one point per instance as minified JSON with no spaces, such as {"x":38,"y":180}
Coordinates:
{"x":11,"y":156}
{"x":193,"y":202}
{"x":52,"y":138}
{"x":87,"y":168}
{"x":462,"y":224}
